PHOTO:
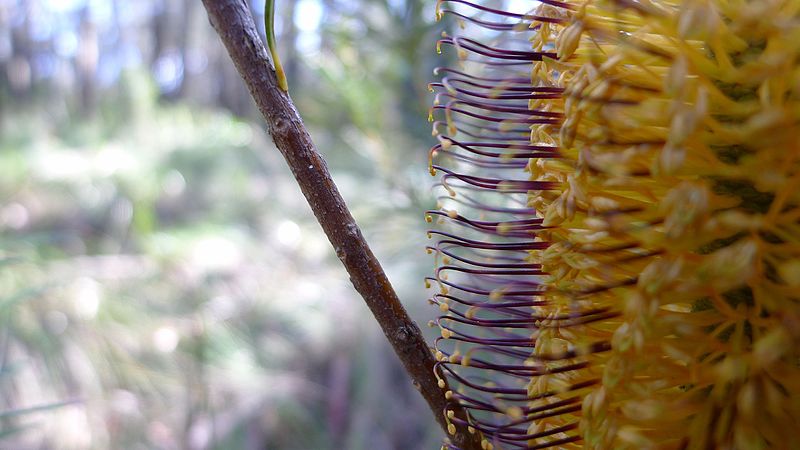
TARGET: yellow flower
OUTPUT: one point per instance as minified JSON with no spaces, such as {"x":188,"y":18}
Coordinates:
{"x":640,"y":288}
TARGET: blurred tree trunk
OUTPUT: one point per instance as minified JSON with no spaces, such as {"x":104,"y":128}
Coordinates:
{"x":338,"y":397}
{"x":5,"y":56}
{"x":19,"y":67}
{"x":289,"y":40}
{"x":86,"y":63}
{"x":158,"y":29}
{"x":189,"y":10}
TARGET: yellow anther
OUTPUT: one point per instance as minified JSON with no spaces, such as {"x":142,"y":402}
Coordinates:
{"x":515,"y":412}
{"x":454,"y":358}
{"x":438,"y":10}
{"x":503,"y":228}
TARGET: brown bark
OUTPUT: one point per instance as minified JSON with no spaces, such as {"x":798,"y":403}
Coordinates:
{"x":234,"y":24}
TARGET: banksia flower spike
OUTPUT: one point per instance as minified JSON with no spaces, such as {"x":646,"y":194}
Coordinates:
{"x":618,"y":236}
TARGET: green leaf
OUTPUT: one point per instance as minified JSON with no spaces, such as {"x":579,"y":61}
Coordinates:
{"x":12,"y":431}
{"x":39,"y":408}
{"x":22,"y":296}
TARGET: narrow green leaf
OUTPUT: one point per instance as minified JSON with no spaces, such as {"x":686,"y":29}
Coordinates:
{"x":269,"y":28}
{"x":39,"y":408}
{"x":4,"y":433}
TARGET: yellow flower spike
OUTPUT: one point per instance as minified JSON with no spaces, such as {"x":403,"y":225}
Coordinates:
{"x":661,"y":302}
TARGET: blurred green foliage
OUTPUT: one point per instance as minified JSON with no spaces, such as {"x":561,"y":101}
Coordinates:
{"x":162,"y":282}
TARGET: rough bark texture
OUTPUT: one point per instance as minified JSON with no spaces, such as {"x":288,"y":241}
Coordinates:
{"x":233,"y":23}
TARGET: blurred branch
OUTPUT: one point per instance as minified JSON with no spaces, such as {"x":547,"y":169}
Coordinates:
{"x":234,"y":24}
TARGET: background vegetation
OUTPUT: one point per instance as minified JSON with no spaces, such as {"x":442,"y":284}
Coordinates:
{"x":162,"y":283}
